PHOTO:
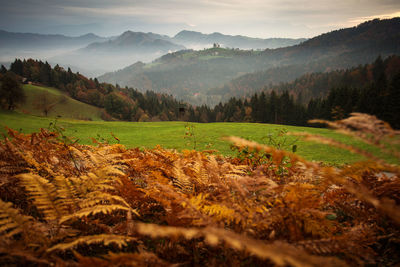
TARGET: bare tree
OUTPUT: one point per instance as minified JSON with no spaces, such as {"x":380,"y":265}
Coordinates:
{"x":44,"y":103}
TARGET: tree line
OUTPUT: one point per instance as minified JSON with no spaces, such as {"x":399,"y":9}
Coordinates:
{"x":372,"y":88}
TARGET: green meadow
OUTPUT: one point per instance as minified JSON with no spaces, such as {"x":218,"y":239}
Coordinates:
{"x":205,"y":136}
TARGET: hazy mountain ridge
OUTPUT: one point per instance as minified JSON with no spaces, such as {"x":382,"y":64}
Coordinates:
{"x":118,"y":52}
{"x":32,"y":40}
{"x":43,"y":46}
{"x":192,"y":38}
{"x":190,"y":75}
{"x":137,"y":41}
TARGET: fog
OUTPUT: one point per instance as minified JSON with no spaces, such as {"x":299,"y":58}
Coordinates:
{"x":80,"y":59}
{"x":93,"y":64}
{"x":93,"y":55}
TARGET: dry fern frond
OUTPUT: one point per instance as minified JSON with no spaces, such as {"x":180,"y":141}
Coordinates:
{"x":279,"y":252}
{"x":361,"y":124}
{"x":229,"y":214}
{"x":44,"y":195}
{"x":385,"y":205}
{"x":118,"y":240}
{"x":181,"y":180}
{"x":103,"y":209}
{"x":67,"y":190}
{"x":367,"y":128}
{"x":102,"y":179}
{"x":200,"y":174}
{"x":28,"y":258}
{"x":220,"y":212}
{"x":12,"y":222}
{"x":123,"y":259}
{"x":36,"y":166}
{"x":96,"y":197}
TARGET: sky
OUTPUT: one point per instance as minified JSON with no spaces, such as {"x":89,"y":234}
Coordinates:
{"x":255,"y":18}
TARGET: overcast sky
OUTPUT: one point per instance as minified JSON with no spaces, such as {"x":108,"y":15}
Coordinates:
{"x":256,"y":18}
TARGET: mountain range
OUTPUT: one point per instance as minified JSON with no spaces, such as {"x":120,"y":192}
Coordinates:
{"x":12,"y":40}
{"x":93,"y":55}
{"x":212,"y":75}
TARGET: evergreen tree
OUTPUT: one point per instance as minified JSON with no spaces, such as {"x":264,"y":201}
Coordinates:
{"x":17,"y":67}
{"x":3,"y":69}
{"x":11,"y":91}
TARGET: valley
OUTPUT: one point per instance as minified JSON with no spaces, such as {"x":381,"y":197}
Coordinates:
{"x":157,"y":140}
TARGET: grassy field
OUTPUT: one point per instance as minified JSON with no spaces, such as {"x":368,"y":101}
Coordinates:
{"x":172,"y":135}
{"x":65,"y":106}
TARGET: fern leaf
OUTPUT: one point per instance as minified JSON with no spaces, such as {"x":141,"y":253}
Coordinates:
{"x":11,"y":221}
{"x":104,"y":209}
{"x":44,"y":195}
{"x":97,"y":197}
{"x":220,"y":212}
{"x":30,"y":160}
{"x":118,"y":240}
{"x":280,"y":253}
{"x":143,"y":258}
{"x":200,"y":173}
{"x":102,"y":179}
{"x":181,"y":180}
{"x":67,"y":190}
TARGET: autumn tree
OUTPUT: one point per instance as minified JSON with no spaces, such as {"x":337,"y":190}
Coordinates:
{"x":11,"y":91}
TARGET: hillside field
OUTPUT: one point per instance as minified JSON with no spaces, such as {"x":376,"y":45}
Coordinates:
{"x":171,"y":135}
{"x":64,"y":105}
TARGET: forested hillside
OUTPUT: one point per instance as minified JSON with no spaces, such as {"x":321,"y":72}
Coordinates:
{"x":215,"y":74}
{"x":121,"y":103}
{"x":372,"y":88}
{"x":317,"y":84}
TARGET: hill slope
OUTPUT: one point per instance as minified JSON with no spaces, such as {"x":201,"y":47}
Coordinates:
{"x":189,"y":74}
{"x":120,"y":103}
{"x":59,"y":104}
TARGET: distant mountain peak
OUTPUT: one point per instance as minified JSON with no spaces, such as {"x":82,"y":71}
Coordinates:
{"x":128,"y":32}
{"x":89,"y":35}
{"x":140,"y":41}
{"x":217,"y":34}
{"x":186,"y":33}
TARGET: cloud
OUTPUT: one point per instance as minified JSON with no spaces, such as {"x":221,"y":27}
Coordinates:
{"x":261,"y":18}
{"x":381,"y":16}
